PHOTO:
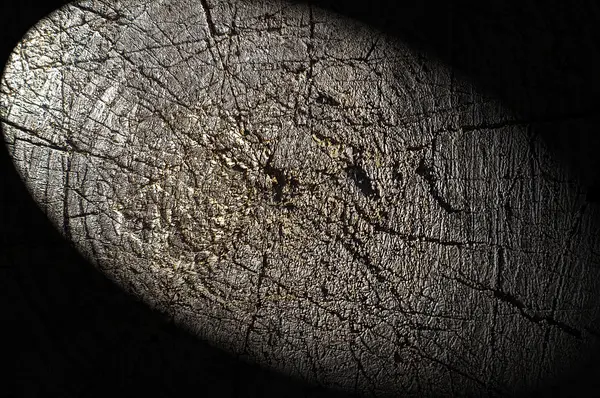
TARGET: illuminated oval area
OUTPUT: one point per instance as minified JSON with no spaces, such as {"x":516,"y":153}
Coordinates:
{"x":306,"y":192}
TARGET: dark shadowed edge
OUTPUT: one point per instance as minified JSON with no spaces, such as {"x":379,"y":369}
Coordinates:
{"x":73,"y":332}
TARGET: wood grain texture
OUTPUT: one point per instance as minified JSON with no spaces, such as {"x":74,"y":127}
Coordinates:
{"x":307,"y":192}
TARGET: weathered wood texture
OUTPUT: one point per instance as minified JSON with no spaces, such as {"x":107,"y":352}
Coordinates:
{"x":307,"y":192}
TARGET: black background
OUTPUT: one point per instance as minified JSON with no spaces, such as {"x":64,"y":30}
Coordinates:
{"x":71,"y":332}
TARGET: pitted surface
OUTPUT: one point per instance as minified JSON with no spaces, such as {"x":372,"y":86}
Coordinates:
{"x":306,"y":192}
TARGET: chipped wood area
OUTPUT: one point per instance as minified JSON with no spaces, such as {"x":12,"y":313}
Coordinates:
{"x":306,"y":192}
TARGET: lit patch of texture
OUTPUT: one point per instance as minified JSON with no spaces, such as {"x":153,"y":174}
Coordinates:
{"x":306,"y":192}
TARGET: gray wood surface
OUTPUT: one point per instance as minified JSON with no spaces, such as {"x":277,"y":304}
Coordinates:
{"x":309,"y":193}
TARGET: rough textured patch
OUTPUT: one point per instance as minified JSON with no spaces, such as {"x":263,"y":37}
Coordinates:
{"x":306,"y":192}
